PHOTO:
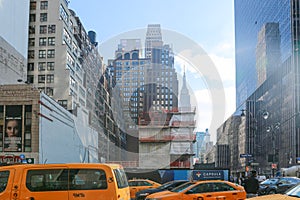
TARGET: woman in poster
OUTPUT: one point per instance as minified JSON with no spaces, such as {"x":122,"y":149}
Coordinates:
{"x":13,"y":138}
{"x":12,"y":128}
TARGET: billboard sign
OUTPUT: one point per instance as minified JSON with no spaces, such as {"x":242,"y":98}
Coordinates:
{"x":209,"y":175}
{"x":13,"y":128}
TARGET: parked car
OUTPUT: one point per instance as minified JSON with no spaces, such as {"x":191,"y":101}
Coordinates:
{"x":291,"y":194}
{"x":277,"y":185}
{"x":141,"y":195}
{"x":136,"y":185}
{"x":210,"y":189}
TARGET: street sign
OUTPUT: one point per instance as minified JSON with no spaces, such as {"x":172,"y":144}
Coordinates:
{"x":245,"y":155}
{"x":29,"y":160}
{"x":254,"y":164}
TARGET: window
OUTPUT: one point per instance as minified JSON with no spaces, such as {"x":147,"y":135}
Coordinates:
{"x":41,"y":79}
{"x":32,"y":18}
{"x":31,"y":54}
{"x":49,"y":91}
{"x":64,"y":179}
{"x":42,"y":66}
{"x":63,"y":14}
{"x":87,"y":179}
{"x":42,"y":53}
{"x":47,"y":180}
{"x":63,"y":103}
{"x":50,"y":66}
{"x":43,"y":17}
{"x":51,"y":41}
{"x":67,"y":36}
{"x":51,"y":28}
{"x":43,"y":29}
{"x":50,"y":78}
{"x":43,"y":41}
{"x":44,"y":5}
{"x":33,"y":5}
{"x":30,"y":78}
{"x":31,"y":42}
{"x":51,"y":53}
{"x":30,"y":67}
{"x":27,"y":131}
{"x":4,"y":175}
{"x":32,"y":29}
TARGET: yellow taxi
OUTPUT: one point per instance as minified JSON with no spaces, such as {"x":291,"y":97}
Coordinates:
{"x":274,"y":197}
{"x":136,"y":185}
{"x":203,"y":190}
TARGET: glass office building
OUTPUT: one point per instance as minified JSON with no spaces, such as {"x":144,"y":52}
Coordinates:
{"x":250,"y":17}
{"x":267,"y":79}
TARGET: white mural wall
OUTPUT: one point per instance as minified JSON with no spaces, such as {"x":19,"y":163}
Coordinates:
{"x":64,"y":137}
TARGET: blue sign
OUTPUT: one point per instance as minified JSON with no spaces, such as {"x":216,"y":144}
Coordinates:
{"x":245,"y":155}
{"x":22,"y":156}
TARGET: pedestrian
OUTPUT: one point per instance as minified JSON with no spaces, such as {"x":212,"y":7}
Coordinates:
{"x":251,"y":185}
{"x":242,"y":179}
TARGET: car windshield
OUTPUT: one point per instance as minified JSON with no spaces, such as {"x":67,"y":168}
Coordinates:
{"x":270,"y":181}
{"x":294,"y":191}
{"x":182,"y":187}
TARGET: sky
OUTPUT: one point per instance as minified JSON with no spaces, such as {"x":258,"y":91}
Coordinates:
{"x":200,"y":31}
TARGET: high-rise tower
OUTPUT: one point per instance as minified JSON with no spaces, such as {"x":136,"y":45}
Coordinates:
{"x":250,"y":17}
{"x":153,"y":39}
{"x":267,"y":44}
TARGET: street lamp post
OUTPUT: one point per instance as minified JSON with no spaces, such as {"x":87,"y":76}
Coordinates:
{"x":251,"y":131}
{"x":272,"y":129}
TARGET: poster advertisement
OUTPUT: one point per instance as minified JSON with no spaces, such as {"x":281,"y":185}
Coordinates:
{"x":13,"y":128}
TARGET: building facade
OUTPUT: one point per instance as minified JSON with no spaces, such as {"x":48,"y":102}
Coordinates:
{"x":63,"y":64}
{"x":267,"y":94}
{"x":250,"y":17}
{"x":168,"y":136}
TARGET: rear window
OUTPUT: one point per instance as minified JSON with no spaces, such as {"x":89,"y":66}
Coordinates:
{"x":121,"y":178}
{"x":64,"y":179}
{"x":4,"y":175}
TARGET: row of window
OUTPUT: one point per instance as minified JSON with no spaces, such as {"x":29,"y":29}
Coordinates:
{"x":49,"y":78}
{"x":51,"y":28}
{"x":42,"y":66}
{"x":43,"y":41}
{"x":50,"y":53}
{"x":41,"y":78}
{"x":43,"y":5}
{"x":43,"y":17}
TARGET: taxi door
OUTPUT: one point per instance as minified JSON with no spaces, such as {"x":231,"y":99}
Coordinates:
{"x":45,"y":184}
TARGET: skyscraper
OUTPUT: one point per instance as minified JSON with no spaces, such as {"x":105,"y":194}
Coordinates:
{"x":267,"y":39}
{"x":267,"y":51}
{"x":153,"y":39}
{"x":250,"y":17}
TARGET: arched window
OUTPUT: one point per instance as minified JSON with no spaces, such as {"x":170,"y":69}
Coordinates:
{"x":127,"y":56}
{"x":135,"y":56}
